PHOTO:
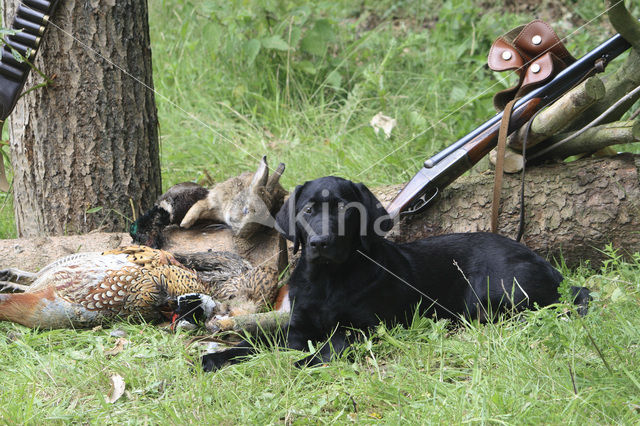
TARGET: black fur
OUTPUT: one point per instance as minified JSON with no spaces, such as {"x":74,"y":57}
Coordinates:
{"x":356,"y":279}
{"x":147,"y":230}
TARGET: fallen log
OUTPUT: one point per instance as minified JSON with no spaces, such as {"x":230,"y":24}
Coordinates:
{"x":572,"y":211}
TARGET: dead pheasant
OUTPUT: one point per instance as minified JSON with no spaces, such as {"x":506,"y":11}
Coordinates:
{"x":87,"y":289}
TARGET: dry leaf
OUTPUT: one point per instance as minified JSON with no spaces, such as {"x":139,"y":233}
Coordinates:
{"x":118,"y":333}
{"x":121,"y":343}
{"x":381,"y":121}
{"x":117,"y":388}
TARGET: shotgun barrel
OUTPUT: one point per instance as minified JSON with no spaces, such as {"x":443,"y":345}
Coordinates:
{"x":448,"y":164}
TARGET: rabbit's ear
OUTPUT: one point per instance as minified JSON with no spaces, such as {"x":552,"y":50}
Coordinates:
{"x":286,"y":219}
{"x":260,"y":178}
{"x":275,"y":177}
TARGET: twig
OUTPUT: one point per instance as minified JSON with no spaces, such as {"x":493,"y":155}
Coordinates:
{"x":573,"y":380}
{"x":588,"y":126}
{"x":598,"y":137}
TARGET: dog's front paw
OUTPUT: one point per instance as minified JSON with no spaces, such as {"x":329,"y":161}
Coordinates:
{"x":216,"y":360}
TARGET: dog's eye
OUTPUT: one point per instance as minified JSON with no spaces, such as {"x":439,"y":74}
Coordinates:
{"x":308,"y":208}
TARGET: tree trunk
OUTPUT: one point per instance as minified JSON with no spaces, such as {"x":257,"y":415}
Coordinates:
{"x":84,"y":149}
{"x":572,"y":209}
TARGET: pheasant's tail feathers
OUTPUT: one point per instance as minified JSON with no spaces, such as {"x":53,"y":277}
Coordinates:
{"x":20,"y":307}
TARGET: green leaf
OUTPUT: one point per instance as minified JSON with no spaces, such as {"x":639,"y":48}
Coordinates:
{"x":294,"y":36}
{"x":94,"y":210}
{"x":251,"y":50}
{"x":301,"y":14}
{"x":334,"y":79}
{"x":313,"y":44}
{"x":325,"y":30}
{"x":275,"y":42}
{"x":458,"y":93}
{"x":317,"y":40}
{"x":17,"y":56}
{"x":307,"y":67}
{"x":617,"y":294}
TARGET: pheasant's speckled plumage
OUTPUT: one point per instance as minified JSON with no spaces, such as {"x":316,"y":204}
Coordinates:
{"x":87,"y":289}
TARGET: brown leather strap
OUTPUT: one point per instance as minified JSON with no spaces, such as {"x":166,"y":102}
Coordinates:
{"x":502,"y":145}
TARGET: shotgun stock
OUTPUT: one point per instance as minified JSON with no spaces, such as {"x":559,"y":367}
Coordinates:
{"x":450,"y":163}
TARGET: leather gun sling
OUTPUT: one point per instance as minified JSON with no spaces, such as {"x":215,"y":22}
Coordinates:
{"x":499,"y":172}
{"x":536,"y":54}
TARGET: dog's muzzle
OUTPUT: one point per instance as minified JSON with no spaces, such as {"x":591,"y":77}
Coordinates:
{"x":324,"y":249}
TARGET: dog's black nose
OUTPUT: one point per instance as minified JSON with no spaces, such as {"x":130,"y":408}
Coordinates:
{"x":319,"y":242}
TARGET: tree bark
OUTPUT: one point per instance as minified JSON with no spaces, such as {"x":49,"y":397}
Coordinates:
{"x":90,"y":139}
{"x":572,"y":209}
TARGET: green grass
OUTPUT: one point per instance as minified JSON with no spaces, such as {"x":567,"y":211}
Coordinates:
{"x":540,"y":367}
{"x":223,"y":102}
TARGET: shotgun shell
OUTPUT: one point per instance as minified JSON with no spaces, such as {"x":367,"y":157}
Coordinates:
{"x":33,"y":28}
{"x":25,"y":51}
{"x":26,"y":38}
{"x":9,"y":58}
{"x":32,"y":15}
{"x":10,"y":71}
{"x":42,"y":5}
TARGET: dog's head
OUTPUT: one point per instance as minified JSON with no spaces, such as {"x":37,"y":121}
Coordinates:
{"x":330,"y":218}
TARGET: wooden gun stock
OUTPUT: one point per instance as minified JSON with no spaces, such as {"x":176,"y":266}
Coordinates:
{"x":450,"y":163}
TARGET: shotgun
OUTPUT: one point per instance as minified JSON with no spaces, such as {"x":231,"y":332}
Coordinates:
{"x":448,"y":164}
{"x":18,"y":52}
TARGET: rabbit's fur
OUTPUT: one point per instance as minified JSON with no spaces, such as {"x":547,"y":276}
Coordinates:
{"x":243,"y":203}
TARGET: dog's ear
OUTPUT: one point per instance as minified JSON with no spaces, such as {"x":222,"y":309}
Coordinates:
{"x":286,"y":219}
{"x":378,"y":220}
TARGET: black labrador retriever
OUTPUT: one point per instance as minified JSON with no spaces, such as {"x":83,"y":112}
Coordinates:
{"x":350,"y":276}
